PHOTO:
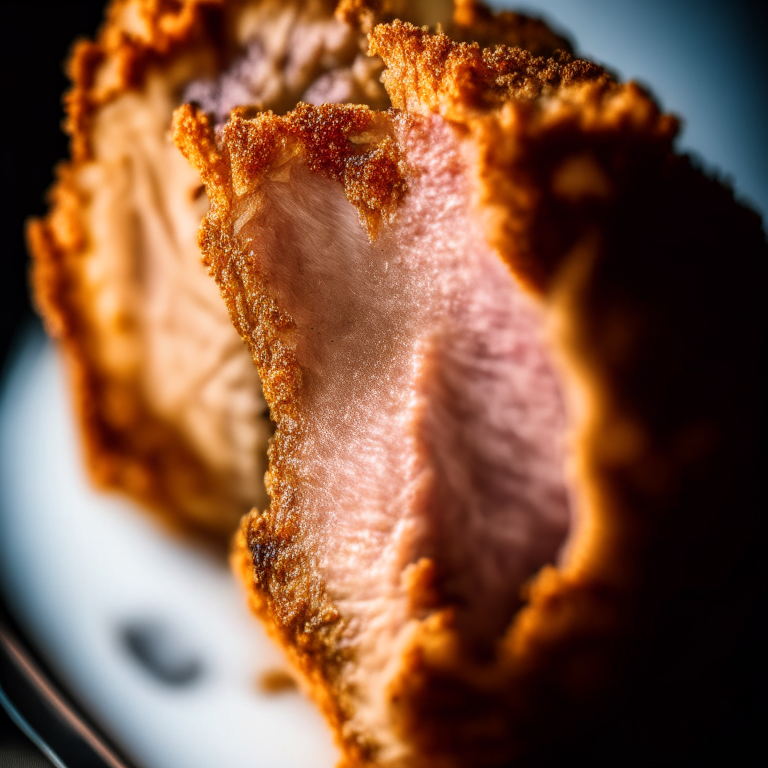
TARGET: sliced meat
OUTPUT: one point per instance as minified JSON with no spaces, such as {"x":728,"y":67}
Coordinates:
{"x":483,"y":326}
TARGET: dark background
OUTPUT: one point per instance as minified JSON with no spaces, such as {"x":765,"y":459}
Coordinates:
{"x":37,"y":41}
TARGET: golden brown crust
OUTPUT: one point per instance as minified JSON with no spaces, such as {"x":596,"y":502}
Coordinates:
{"x":464,"y":21}
{"x":136,"y":34}
{"x":127,"y":446}
{"x":370,"y":172}
{"x":348,"y":143}
{"x":284,"y":587}
{"x":429,"y":71}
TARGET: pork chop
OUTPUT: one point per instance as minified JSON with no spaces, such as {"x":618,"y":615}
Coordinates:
{"x":484,"y":325}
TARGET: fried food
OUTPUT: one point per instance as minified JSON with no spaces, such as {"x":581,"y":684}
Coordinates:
{"x":514,"y":382}
{"x":168,"y":399}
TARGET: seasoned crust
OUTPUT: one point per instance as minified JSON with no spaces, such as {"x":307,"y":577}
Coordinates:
{"x":128,"y":446}
{"x":524,"y":111}
{"x":136,"y":34}
{"x":310,"y":645}
{"x":462,"y":20}
{"x":428,"y":71}
{"x":622,"y":240}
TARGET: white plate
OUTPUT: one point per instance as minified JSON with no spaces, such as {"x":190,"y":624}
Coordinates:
{"x":99,"y":586}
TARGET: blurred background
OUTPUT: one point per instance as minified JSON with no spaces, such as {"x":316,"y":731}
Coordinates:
{"x":704,"y":59}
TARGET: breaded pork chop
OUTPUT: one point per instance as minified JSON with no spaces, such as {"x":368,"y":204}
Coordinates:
{"x":508,"y":337}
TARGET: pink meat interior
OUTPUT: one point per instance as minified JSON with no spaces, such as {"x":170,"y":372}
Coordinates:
{"x":435,"y":422}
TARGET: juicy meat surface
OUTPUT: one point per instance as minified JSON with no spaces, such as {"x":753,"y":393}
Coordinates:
{"x":418,"y":357}
{"x":421,"y":291}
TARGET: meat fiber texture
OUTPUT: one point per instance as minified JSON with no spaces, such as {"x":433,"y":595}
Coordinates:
{"x":168,"y":399}
{"x":508,"y":337}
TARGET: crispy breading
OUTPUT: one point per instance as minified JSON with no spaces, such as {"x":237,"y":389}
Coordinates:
{"x":129,"y":445}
